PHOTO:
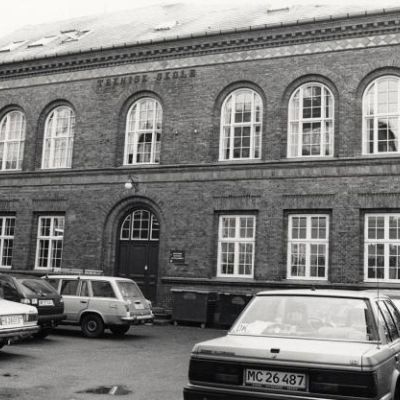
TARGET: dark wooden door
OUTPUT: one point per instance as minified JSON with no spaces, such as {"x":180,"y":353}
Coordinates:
{"x":138,"y":250}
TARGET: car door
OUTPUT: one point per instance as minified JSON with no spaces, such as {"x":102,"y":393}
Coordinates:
{"x":76,"y":298}
{"x":104,"y":300}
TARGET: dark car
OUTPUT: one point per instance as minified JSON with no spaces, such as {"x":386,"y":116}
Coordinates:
{"x":35,"y":291}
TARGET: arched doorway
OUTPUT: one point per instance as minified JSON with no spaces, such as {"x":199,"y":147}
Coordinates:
{"x":139,"y":235}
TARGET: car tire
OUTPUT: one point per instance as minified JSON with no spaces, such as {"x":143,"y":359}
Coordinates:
{"x":119,"y":330}
{"x":42,"y":333}
{"x":92,"y":325}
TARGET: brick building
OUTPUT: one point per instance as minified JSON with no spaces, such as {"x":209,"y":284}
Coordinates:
{"x":233,"y":150}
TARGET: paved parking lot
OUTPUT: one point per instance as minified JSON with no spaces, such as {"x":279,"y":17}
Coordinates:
{"x":149,"y":363}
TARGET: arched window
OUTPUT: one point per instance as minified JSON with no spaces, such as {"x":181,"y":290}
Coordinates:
{"x":58,"y":138}
{"x":143,"y":132}
{"x":311,"y":121}
{"x":12,"y":139}
{"x":381,"y":116}
{"x":241,"y":121}
{"x":140,"y":225}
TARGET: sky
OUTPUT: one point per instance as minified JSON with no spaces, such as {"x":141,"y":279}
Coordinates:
{"x":18,"y":13}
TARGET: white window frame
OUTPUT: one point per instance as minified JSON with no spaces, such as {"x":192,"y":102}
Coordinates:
{"x":131,"y":136}
{"x":323,"y":120}
{"x":376,"y":116}
{"x":252,"y":124}
{"x":152,"y":222}
{"x":386,"y":241}
{"x":12,"y":138}
{"x":52,"y":136}
{"x":52,"y":238}
{"x":3,"y":237}
{"x":237,"y":240}
{"x":308,"y":241}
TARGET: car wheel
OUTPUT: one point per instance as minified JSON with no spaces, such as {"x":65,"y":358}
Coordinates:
{"x":92,"y":325}
{"x":119,"y":330}
{"x":42,"y":333}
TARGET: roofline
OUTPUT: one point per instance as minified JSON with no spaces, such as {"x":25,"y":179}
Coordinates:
{"x":206,"y":34}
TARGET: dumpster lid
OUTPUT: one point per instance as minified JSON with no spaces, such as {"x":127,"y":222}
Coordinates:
{"x":201,"y":291}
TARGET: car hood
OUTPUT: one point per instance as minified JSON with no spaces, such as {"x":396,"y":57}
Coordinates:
{"x":299,"y":352}
{"x":12,"y":307}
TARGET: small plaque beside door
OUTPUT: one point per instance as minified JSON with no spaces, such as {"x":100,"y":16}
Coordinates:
{"x":177,"y":256}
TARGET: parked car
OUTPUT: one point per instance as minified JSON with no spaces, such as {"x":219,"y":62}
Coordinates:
{"x":99,"y":302}
{"x":35,"y":291}
{"x":17,"y":321}
{"x":303,"y":344}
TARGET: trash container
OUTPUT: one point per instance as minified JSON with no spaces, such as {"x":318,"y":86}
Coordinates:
{"x":193,"y":306}
{"x":229,"y":306}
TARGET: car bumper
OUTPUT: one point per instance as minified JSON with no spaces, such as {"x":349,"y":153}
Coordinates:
{"x":17,"y":333}
{"x":51,"y":319}
{"x":194,"y":392}
{"x":138,"y":319}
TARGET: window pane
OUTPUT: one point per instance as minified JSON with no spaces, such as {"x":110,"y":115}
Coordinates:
{"x":69,"y":287}
{"x":102,"y":289}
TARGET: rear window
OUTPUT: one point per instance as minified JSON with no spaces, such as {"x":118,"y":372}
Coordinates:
{"x":36,"y":287}
{"x":129,"y":289}
{"x":317,"y":317}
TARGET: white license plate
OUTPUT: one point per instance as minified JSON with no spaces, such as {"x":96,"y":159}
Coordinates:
{"x":138,"y":306}
{"x":46,"y":303}
{"x":12,"y":321}
{"x":275,"y":379}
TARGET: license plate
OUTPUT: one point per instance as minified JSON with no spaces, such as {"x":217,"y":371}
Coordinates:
{"x":275,"y":379}
{"x":46,"y":303}
{"x":138,"y":306}
{"x":12,"y":321}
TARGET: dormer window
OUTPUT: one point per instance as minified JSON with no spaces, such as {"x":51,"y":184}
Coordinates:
{"x":43,"y":41}
{"x":12,"y":46}
{"x":73,"y":35}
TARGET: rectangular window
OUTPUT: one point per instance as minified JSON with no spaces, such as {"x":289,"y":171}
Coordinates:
{"x":49,"y":242}
{"x":236,"y":243}
{"x":382,"y":247}
{"x":308,"y":246}
{"x":7,"y":228}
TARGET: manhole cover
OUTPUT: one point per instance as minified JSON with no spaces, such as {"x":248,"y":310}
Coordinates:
{"x":115,"y":390}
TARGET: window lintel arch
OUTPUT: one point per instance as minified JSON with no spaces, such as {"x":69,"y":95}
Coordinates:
{"x":140,"y":223}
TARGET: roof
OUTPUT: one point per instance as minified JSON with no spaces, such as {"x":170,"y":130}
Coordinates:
{"x":161,"y":22}
{"x":359,"y":294}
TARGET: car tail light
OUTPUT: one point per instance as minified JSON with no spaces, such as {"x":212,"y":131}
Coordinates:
{"x":208,"y":371}
{"x":32,"y":317}
{"x":25,"y":301}
{"x":344,"y":383}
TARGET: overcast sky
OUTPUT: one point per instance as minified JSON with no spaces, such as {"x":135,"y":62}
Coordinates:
{"x":17,"y":13}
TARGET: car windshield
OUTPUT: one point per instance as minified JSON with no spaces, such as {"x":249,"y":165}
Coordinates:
{"x":129,"y":289}
{"x":316,"y":317}
{"x":36,"y":287}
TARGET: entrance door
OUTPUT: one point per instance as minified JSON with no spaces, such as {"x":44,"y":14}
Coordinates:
{"x":138,"y":250}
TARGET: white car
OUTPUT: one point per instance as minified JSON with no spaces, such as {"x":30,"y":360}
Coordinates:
{"x":99,"y":302}
{"x":16,"y":321}
{"x":303,"y":345}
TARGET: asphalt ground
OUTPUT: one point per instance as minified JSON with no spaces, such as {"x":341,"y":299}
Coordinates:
{"x":148,"y":363}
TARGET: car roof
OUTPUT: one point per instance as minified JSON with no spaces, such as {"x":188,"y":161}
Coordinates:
{"x":358,"y":294}
{"x":91,"y":277}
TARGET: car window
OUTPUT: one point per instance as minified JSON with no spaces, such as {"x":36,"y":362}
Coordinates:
{"x":69,"y":287}
{"x":37,"y":287}
{"x":395,"y":314}
{"x":53,"y":282}
{"x":129,"y":289}
{"x":382,"y":323}
{"x":319,"y":317}
{"x":102,"y":289}
{"x":391,"y":326}
{"x":7,"y":290}
{"x":84,"y":289}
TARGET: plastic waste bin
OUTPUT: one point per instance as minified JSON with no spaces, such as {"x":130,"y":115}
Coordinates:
{"x":229,"y":306}
{"x":193,"y":306}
